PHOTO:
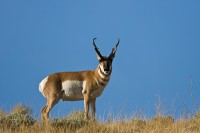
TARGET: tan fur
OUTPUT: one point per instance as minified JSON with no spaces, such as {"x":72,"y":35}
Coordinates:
{"x":53,"y":88}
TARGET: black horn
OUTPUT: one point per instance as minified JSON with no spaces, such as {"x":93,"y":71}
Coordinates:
{"x":114,"y":49}
{"x":96,"y":49}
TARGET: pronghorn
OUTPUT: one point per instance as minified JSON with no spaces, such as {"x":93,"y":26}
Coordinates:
{"x":74,"y":86}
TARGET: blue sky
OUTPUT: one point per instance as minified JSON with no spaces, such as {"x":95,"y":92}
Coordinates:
{"x":157,"y":59}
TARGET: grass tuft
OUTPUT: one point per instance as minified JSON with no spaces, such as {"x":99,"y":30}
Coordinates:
{"x":74,"y":120}
{"x":20,"y":116}
{"x":2,"y":113}
{"x":20,"y":121}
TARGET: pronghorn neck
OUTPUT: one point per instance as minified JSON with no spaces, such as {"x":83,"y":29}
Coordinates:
{"x":99,"y":73}
{"x":101,"y":78}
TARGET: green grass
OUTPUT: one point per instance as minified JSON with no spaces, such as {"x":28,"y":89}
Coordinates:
{"x":19,"y":120}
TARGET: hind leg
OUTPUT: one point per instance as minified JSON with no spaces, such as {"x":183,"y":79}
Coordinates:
{"x":43,"y":116}
{"x":45,"y":111}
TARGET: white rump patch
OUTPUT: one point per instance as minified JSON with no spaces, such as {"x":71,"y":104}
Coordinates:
{"x":42,"y":85}
{"x":73,"y":90}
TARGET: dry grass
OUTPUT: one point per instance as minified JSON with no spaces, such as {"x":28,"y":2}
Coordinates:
{"x":20,"y":121}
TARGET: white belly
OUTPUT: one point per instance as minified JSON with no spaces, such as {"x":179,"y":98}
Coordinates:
{"x":72,"y":90}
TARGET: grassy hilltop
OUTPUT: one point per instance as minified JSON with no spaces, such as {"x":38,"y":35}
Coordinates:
{"x":19,"y":120}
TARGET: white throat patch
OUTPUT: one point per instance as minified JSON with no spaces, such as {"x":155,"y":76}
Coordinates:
{"x":102,"y":76}
{"x":102,"y":69}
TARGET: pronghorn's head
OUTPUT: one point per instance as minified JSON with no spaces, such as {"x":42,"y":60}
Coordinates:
{"x":105,"y":62}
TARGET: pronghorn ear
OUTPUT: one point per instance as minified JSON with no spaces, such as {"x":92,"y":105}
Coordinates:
{"x":112,"y":54}
{"x":98,"y":57}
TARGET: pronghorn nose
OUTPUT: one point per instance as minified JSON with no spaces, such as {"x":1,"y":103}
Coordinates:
{"x":106,"y":69}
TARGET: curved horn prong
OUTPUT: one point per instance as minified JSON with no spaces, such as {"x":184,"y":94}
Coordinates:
{"x":96,"y":49}
{"x":114,"y":49}
{"x":117,"y":43}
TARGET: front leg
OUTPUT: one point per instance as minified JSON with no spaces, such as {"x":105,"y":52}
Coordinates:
{"x":87,"y":99}
{"x":93,"y":107}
